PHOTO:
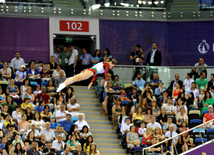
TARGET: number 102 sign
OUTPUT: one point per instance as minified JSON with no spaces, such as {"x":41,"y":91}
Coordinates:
{"x":78,"y":26}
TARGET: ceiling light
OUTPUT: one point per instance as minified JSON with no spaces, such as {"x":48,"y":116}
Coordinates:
{"x":96,"y":6}
{"x":107,"y":4}
{"x":125,"y":4}
{"x":149,"y":2}
{"x":161,"y":2}
{"x":144,"y":2}
{"x":140,"y":2}
{"x":156,"y":2}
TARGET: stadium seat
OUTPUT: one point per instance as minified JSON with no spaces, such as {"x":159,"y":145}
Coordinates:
{"x":204,"y":112}
{"x":194,"y":114}
{"x":33,"y":83}
{"x":195,"y":122}
{"x":210,"y":134}
{"x":17,"y":100}
{"x":199,"y":142}
{"x":127,"y":85}
{"x":3,"y":85}
{"x":44,"y":83}
{"x":196,"y":134}
{"x":74,"y":119}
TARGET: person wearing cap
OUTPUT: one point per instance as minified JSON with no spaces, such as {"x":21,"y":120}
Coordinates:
{"x":21,"y":74}
{"x":17,"y":62}
{"x":207,"y":117}
{"x":53,"y":123}
{"x":67,"y":123}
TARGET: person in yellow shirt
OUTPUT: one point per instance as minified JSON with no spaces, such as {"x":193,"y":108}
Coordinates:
{"x":25,"y":105}
{"x":8,"y":120}
{"x":138,"y":116}
{"x":46,"y":114}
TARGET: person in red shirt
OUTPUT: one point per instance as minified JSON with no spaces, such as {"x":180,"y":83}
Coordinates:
{"x":43,"y":96}
{"x":209,"y":116}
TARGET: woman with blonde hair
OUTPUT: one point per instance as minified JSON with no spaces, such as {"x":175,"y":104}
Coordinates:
{"x":29,"y":94}
{"x":100,"y":68}
{"x":158,"y":134}
{"x":147,"y":136}
{"x":93,"y":149}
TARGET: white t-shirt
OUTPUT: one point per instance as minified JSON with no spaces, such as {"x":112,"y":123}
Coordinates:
{"x":178,"y":109}
{"x":76,"y":105}
{"x":153,"y":126}
{"x":142,"y":130}
{"x":37,"y":92}
{"x":81,"y":124}
{"x":38,"y":123}
{"x":169,"y":108}
{"x":57,"y":145}
{"x":36,"y":132}
{"x":187,"y":83}
{"x":60,"y":113}
{"x":168,"y":134}
{"x":20,"y":74}
{"x":125,"y":127}
{"x":18,"y":117}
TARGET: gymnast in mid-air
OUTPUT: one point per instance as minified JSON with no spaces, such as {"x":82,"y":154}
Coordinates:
{"x":99,"y":68}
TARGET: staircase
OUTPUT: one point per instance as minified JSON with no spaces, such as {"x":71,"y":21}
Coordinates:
{"x":184,"y":5}
{"x":101,"y":128}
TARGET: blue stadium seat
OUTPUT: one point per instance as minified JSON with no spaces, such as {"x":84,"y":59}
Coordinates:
{"x":33,"y":83}
{"x":140,"y":138}
{"x":199,"y":142}
{"x":44,"y":83}
{"x":204,"y":112}
{"x":196,"y":134}
{"x":195,"y":122}
{"x":210,"y":134}
{"x":74,"y":119}
{"x":207,"y":1}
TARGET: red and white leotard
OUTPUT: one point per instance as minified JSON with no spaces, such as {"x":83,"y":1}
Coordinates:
{"x":100,"y":68}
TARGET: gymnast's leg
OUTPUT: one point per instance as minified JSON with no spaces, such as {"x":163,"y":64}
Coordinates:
{"x":79,"y":77}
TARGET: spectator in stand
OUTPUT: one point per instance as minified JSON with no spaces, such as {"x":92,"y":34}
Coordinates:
{"x":55,"y":74}
{"x":67,"y":151}
{"x":45,"y":75}
{"x":38,"y":121}
{"x":80,"y":123}
{"x":30,"y":138}
{"x":162,"y":117}
{"x":138,"y":117}
{"x":139,"y":83}
{"x":170,"y":110}
{"x":12,"y":89}
{"x":72,"y":142}
{"x":182,"y":117}
{"x":153,"y":124}
{"x":155,"y":109}
{"x":211,"y":91}
{"x":8,"y":149}
{"x":79,"y":150}
{"x":84,"y":134}
{"x":58,"y":144}
{"x":107,"y":53}
{"x":61,"y":114}
{"x":191,"y":102}
{"x":10,"y":103}
{"x":173,"y":82}
{"x":148,"y":115}
{"x":26,"y":104}
{"x":53,"y":123}
{"x":183,"y":141}
{"x":132,"y":138}
{"x":181,"y":104}
{"x":207,"y":117}
{"x":60,"y":79}
{"x":3,"y":144}
{"x":46,"y":114}
{"x":158,"y":134}
{"x":85,"y":59}
{"x":156,"y":150}
{"x":61,"y":131}
{"x":136,"y":54}
{"x":176,"y":92}
{"x":66,"y":124}
{"x":116,"y":111}
{"x":146,"y":89}
{"x":17,"y":62}
{"x":33,"y":129}
{"x":21,"y":74}
{"x":150,"y":98}
{"x":24,"y":86}
{"x":147,"y":136}
{"x":29,"y":113}
{"x":51,"y":89}
{"x":154,"y":82}
{"x":50,"y":136}
{"x":23,"y":124}
{"x":142,"y":129}
{"x":103,"y":81}
{"x":69,"y":95}
{"x":17,"y":114}
{"x":4,"y":111}
{"x":188,"y":81}
{"x":202,"y":82}
{"x":33,"y":73}
{"x":211,"y":82}
{"x":159,"y":91}
{"x":6,"y":72}
{"x":116,"y":83}
{"x":193,"y":90}
{"x":169,"y":123}
{"x":208,"y":100}
{"x":64,"y":59}
{"x":96,"y":57}
{"x":56,"y":54}
{"x":39,"y":66}
{"x":171,"y":143}
{"x":28,"y":93}
{"x":33,"y":149}
{"x":52,"y":65}
{"x":43,"y":96}
{"x":93,"y":149}
{"x":2,"y":96}
{"x":73,"y":107}
{"x":197,"y":71}
{"x":46,"y":147}
{"x":73,"y":57}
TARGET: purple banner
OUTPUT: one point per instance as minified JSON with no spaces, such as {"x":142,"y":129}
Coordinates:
{"x":29,"y":36}
{"x":179,"y":42}
{"x":207,"y":148}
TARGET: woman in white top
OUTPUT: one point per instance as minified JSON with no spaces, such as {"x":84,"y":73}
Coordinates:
{"x":6,"y":72}
{"x":93,"y":149}
{"x":38,"y":121}
{"x":17,"y":115}
{"x":24,"y":86}
{"x":37,"y":91}
{"x":179,"y":106}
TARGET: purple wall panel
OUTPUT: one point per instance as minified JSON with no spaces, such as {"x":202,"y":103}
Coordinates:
{"x":208,"y":149}
{"x":30,"y":36}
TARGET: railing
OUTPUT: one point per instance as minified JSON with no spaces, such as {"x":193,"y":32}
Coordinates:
{"x":198,"y":126}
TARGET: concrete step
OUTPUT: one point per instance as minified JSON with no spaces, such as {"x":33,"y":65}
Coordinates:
{"x":92,"y":112}
{"x":106,"y":150}
{"x":105,"y":136}
{"x":87,"y":99}
{"x":94,"y":117}
{"x":80,"y":95}
{"x":101,"y":122}
{"x":100,"y":126}
{"x":98,"y":104}
{"x":114,"y":153}
{"x":91,"y":108}
{"x":81,"y":87}
{"x":83,"y":91}
{"x":107,"y":140}
{"x":103,"y":131}
{"x":108,"y":145}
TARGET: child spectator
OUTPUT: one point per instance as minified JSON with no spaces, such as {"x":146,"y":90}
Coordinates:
{"x":53,"y":123}
{"x":39,"y":66}
{"x":45,"y":75}
{"x":40,"y":107}
{"x":21,"y":74}
{"x":142,"y":129}
{"x":201,"y":95}
{"x":37,"y":91}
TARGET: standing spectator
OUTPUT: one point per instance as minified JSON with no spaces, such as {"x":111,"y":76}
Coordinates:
{"x":116,"y":83}
{"x":33,"y":73}
{"x":202,"y":82}
{"x":188,"y":81}
{"x":48,"y":132}
{"x":80,"y":123}
{"x":12,"y":89}
{"x":197,"y":71}
{"x":135,"y":55}
{"x":64,"y":58}
{"x":52,"y":65}
{"x":61,"y":114}
{"x":55,"y":74}
{"x":208,"y":100}
{"x":67,"y":123}
{"x":17,"y":62}
{"x":33,"y":149}
{"x":173,"y":82}
{"x":21,"y":74}
{"x":45,"y":75}
{"x":43,"y":96}
{"x":6,"y":72}
{"x":153,"y":124}
{"x":58,"y":144}
{"x":73,"y":57}
{"x":154,"y":82}
{"x":139,"y":83}
{"x":96,"y":57}
{"x":60,"y":79}
{"x":56,"y":54}
{"x":85,"y":59}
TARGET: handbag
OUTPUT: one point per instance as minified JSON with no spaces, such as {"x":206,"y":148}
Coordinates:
{"x":136,"y":142}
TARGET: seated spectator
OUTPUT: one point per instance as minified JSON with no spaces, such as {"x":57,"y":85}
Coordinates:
{"x":123,"y":95}
{"x":66,"y":124}
{"x":121,"y":118}
{"x":191,"y":102}
{"x":202,"y":82}
{"x":4,"y":112}
{"x":42,"y":145}
{"x":67,"y":151}
{"x":159,"y":91}
{"x":10,"y":104}
{"x":30,"y":95}
{"x":163,"y":99}
{"x":193,"y":90}
{"x":139,"y":83}
{"x":8,"y":120}
{"x":146,"y":89}
{"x":182,"y":117}
{"x":86,"y":146}
{"x":170,"y":109}
{"x":156,"y":150}
{"x":47,"y":147}
{"x":29,"y":114}
{"x":51,"y":89}
{"x":79,"y":150}
{"x":150,"y":98}
{"x":8,"y":132}
{"x":142,"y":129}
{"x":17,"y":114}
{"x":40,"y":107}
{"x":37,"y":91}
{"x":80,"y":123}
{"x":55,"y":74}
{"x":107,"y":89}
{"x":50,"y":136}
{"x":3,"y":144}
{"x":61,"y":114}
{"x":61,"y":131}
{"x":73,"y":131}
{"x":153,"y":124}
{"x":102,"y":82}
{"x":59,"y":103}
{"x":201,"y":95}
{"x":210,"y":83}
{"x":109,"y":102}
{"x":212,"y":91}
{"x":46,"y":114}
{"x":26,"y":104}
{"x":69,"y":95}
{"x":148,"y":115}
{"x":134,"y":95}
{"x":2,"y":127}
{"x":183,"y":126}
{"x":53,"y":123}
{"x":138,"y":117}
{"x":45,"y":75}
{"x":168,"y":124}
{"x":176,"y":92}
{"x":33,"y":149}
{"x":33,"y":73}
{"x":116,"y":83}
{"x":147,"y":136}
{"x":208,"y":100}
{"x":2,"y":96}
{"x":155,"y":109}
{"x":158,"y":134}
{"x":23,"y":124}
{"x":154,"y":82}
{"x":188,"y":81}
{"x":170,"y":143}
{"x":184,"y":141}
{"x":52,"y":65}
{"x":39,"y":66}
{"x":30,"y":137}
{"x":17,"y":140}
{"x":44,"y":96}
{"x":21,"y":74}
{"x":130,"y":109}
{"x":84,"y":134}
{"x":12,"y":89}
{"x":116,"y":111}
{"x":73,"y":142}
{"x":60,"y":79}
{"x":180,"y":105}
{"x":6,"y":73}
{"x":143,"y":104}
{"x":73,"y":107}
{"x":8,"y":149}
{"x":96,"y":57}
{"x":132,"y":138}
{"x":33,"y":129}
{"x":93,"y":149}
{"x":24,"y":86}
{"x":207,"y":117}
{"x":126,"y":128}
{"x":58,"y":144}
{"x":162,"y":117}
{"x":173,"y":82}
{"x":38,"y":121}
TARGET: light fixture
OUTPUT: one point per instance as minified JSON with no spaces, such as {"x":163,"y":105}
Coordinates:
{"x":59,"y":12}
{"x":118,"y":14}
{"x":95,"y":6}
{"x":72,"y":10}
{"x":127,"y":11}
{"x":125,"y":4}
{"x":113,"y":14}
{"x":140,"y":2}
{"x":144,"y":2}
{"x":156,"y":2}
{"x":152,"y":16}
{"x":161,"y":2}
{"x":42,"y":11}
{"x":101,"y":14}
{"x":29,"y":11}
{"x":2,"y":1}
{"x":72,"y":13}
{"x":107,"y":4}
{"x":127,"y":15}
{"x":29,"y":8}
{"x":149,"y":2}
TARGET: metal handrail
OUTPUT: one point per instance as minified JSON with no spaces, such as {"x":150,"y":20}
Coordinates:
{"x":177,"y":135}
{"x":171,"y":67}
